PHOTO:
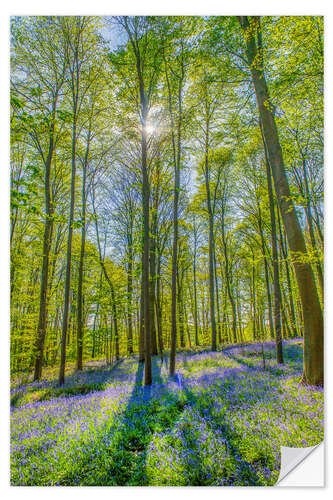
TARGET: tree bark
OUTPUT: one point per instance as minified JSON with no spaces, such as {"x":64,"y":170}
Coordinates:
{"x":158,"y":304}
{"x":269,"y":298}
{"x":152,"y":288}
{"x":47,"y":238}
{"x":276,"y":280}
{"x":80,"y":326}
{"x":195,"y":297}
{"x":211,"y":246}
{"x":68,"y":259}
{"x":130,"y":297}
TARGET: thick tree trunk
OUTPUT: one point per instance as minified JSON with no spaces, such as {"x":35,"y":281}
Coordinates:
{"x":313,"y":372}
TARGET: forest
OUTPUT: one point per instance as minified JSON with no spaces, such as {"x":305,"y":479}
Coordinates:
{"x":166,"y":247}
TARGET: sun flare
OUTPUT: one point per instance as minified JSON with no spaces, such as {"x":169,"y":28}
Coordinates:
{"x":150,"y":129}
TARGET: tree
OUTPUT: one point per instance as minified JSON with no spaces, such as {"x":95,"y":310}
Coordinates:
{"x":40,"y":50}
{"x":312,"y":313}
{"x":78,"y":47}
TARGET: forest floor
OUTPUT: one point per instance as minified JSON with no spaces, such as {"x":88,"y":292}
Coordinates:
{"x":221,"y":421}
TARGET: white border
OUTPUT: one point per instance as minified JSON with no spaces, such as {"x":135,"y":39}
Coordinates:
{"x":185,"y":7}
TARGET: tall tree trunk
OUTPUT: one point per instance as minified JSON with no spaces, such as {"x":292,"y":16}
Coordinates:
{"x":81,"y":262}
{"x":130,"y":299}
{"x":143,"y":115}
{"x":115,"y":317}
{"x":109,"y":281}
{"x":47,"y":238}
{"x":146,"y":245}
{"x":254,"y":328}
{"x":174,"y":260}
{"x":158,"y":307}
{"x":176,"y":140}
{"x":195,"y":297}
{"x":276,"y":280}
{"x":187,"y":327}
{"x":313,"y":371}
{"x":211,"y":246}
{"x":284,"y":252}
{"x":141,"y":326}
{"x":152,"y":289}
{"x":227,"y":278}
{"x":217,"y":302}
{"x":68,"y":258}
{"x":269,"y":298}
{"x":180,"y":309}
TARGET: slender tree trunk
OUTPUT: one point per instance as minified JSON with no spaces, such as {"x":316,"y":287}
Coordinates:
{"x":211,"y":245}
{"x":217,"y":302}
{"x":269,"y":298}
{"x":176,"y":148}
{"x":284,"y":252}
{"x":187,"y":327}
{"x":308,"y":213}
{"x":254,"y":329}
{"x":141,"y":328}
{"x":130,"y":296}
{"x":318,"y":225}
{"x":195,"y":293}
{"x":68,"y":258}
{"x":81,"y":263}
{"x":143,"y":115}
{"x":180,"y":309}
{"x":115,"y":317}
{"x":227,"y":276}
{"x":146,"y":248}
{"x":152,"y":288}
{"x":109,"y":281}
{"x":48,"y":230}
{"x":174,"y":273}
{"x":276,"y":280}
{"x":158,"y":305}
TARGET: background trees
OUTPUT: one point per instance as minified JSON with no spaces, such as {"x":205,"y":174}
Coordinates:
{"x":142,"y":193}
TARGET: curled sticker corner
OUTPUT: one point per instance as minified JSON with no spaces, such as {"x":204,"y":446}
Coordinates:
{"x":291,"y":458}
